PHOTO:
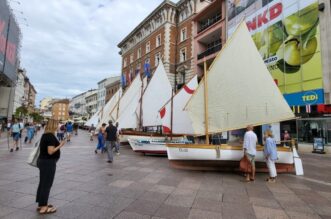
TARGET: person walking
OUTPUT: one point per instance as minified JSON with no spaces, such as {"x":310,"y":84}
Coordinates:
{"x":270,"y":154}
{"x":101,"y":139}
{"x":75,"y":125}
{"x":49,"y":155}
{"x":92,"y":132}
{"x":70,"y":129}
{"x":30,"y":133}
{"x":250,"y":141}
{"x":60,"y":131}
{"x":111,"y":137}
{"x":15,"y":131}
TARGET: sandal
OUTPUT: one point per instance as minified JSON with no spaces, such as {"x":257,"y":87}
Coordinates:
{"x":50,"y":206}
{"x":252,"y":180}
{"x":247,"y":180}
{"x":48,"y":210}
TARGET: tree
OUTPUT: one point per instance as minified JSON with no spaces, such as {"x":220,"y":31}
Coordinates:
{"x":21,"y":111}
{"x":36,"y":117}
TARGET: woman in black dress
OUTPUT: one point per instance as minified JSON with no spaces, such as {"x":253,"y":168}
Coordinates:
{"x":49,"y":155}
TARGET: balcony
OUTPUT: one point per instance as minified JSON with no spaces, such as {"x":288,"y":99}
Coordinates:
{"x":209,"y":51}
{"x":209,"y":22}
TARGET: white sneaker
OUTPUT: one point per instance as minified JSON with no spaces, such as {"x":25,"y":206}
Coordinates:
{"x":118,"y":153}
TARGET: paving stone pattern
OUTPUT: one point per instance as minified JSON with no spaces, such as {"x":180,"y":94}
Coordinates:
{"x":138,"y":186}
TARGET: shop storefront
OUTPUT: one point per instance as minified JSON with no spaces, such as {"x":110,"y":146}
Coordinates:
{"x":310,"y":128}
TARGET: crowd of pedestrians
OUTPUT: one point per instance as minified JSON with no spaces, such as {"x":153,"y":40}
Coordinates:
{"x":108,"y":139}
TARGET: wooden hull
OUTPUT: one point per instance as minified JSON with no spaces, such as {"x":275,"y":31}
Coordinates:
{"x":125,"y":135}
{"x":222,"y":157}
{"x":152,"y":145}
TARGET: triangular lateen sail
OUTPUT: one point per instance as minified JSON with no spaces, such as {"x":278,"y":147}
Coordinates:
{"x":110,"y":107}
{"x":181,"y":121}
{"x":240,"y":88}
{"x":157,"y":93}
{"x":94,"y":119}
{"x":127,"y":117}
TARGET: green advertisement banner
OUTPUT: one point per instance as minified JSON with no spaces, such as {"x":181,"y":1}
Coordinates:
{"x":287,"y":36}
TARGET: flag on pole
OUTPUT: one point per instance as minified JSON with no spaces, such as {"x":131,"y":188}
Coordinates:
{"x":147,"y":69}
{"x":123,"y":81}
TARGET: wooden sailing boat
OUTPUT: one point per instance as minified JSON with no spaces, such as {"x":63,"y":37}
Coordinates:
{"x":157,"y":93}
{"x":237,"y":91}
{"x":110,"y":108}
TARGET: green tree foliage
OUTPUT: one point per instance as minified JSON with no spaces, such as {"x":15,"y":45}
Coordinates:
{"x":21,"y":111}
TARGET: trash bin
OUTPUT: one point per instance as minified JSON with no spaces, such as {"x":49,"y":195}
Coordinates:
{"x":318,"y":146}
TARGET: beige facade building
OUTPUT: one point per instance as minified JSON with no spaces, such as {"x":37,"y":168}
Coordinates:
{"x":165,"y":34}
{"x":91,"y":102}
{"x":29,"y":95}
{"x":45,"y":103}
{"x":60,"y":110}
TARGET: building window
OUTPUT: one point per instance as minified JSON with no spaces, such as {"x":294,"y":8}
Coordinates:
{"x":157,"y":58}
{"x":131,"y":58}
{"x":183,"y":34}
{"x":139,"y":53}
{"x":182,"y":54}
{"x":148,"y":47}
{"x":158,"y":40}
{"x":147,"y":60}
{"x":124,"y":62}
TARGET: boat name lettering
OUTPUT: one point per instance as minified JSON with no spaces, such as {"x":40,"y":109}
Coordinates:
{"x":183,"y":149}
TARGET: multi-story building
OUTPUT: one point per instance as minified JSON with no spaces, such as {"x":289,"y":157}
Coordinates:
{"x":102,"y":90}
{"x":92,"y":102}
{"x":19,"y":89}
{"x":45,"y":103}
{"x":111,"y":89}
{"x":77,"y":104}
{"x":29,"y":95}
{"x":167,"y":34}
{"x":209,"y":34}
{"x":60,"y":109}
{"x":9,"y":44}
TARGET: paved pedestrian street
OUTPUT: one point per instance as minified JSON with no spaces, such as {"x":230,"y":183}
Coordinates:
{"x":137,"y":186}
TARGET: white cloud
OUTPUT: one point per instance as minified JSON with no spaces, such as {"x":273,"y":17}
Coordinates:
{"x":70,"y":45}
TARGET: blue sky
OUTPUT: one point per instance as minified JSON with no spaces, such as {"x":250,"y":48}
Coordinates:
{"x":70,"y":45}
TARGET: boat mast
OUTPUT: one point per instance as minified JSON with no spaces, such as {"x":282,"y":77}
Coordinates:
{"x":172,"y":113}
{"x":206,"y":100}
{"x":141,"y":103}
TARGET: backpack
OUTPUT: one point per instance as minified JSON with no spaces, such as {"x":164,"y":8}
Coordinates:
{"x":62,"y":128}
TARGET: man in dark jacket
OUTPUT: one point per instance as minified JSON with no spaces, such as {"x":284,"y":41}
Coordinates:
{"x":111,"y":138}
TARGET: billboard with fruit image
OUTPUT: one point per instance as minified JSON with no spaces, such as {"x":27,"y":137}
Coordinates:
{"x":286,"y":33}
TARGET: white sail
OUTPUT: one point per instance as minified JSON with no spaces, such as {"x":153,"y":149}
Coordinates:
{"x":127,"y":117}
{"x":157,"y":93}
{"x":181,"y":122}
{"x":94,"y":119}
{"x":110,"y":107}
{"x":240,"y":92}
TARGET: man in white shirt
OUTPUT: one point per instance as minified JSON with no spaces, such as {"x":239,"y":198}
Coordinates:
{"x":250,"y":140}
